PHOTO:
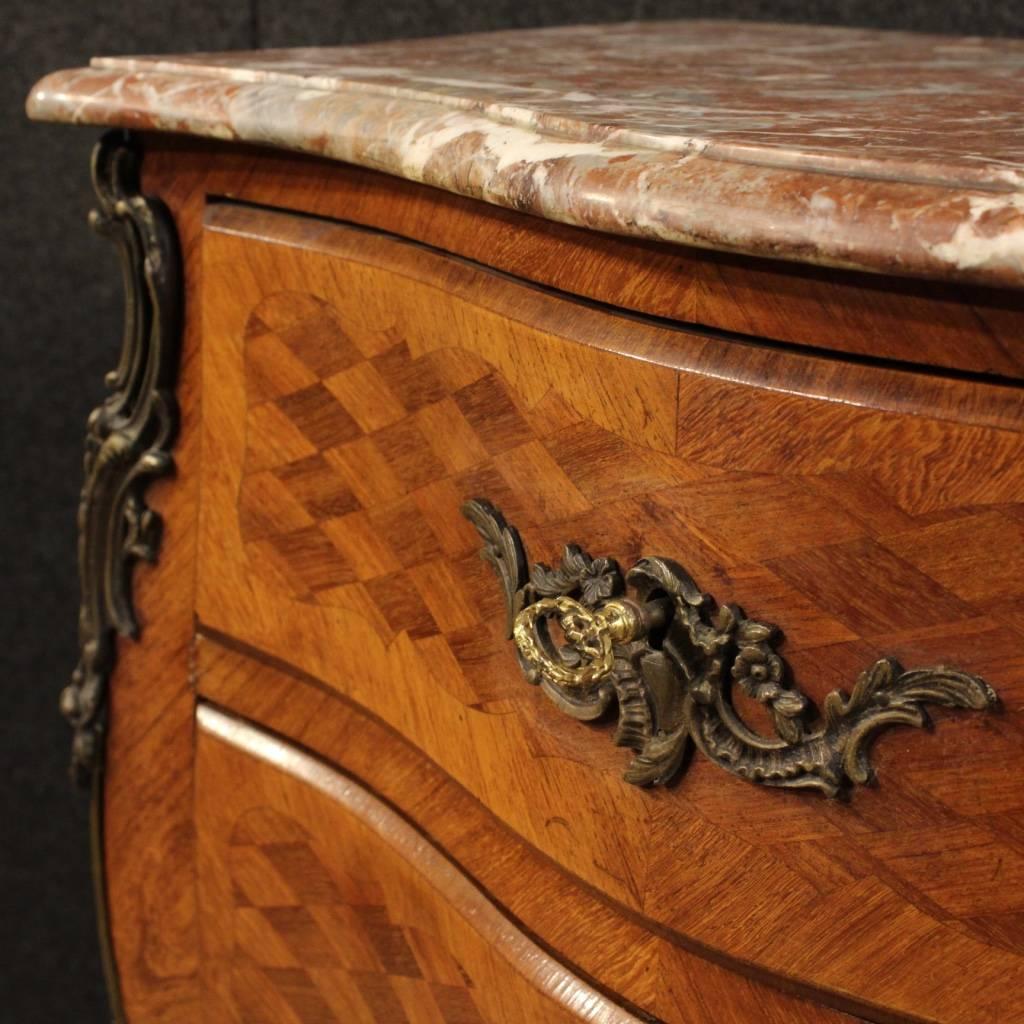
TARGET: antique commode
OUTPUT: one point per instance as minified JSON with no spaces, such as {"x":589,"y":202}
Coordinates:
{"x":565,"y":464}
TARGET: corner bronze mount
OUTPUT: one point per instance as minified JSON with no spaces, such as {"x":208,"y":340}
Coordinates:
{"x":670,"y":656}
{"x":128,"y":438}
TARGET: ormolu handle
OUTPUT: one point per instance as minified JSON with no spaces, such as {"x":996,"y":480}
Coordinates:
{"x":591,"y":634}
{"x":669,"y":656}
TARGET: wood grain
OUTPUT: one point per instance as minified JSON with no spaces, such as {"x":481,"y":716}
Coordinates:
{"x":870,"y":511}
{"x":845,"y":494}
{"x":148,"y":840}
{"x":608,"y":944}
{"x":321,"y":902}
{"x":974,"y":329}
{"x":318,"y":900}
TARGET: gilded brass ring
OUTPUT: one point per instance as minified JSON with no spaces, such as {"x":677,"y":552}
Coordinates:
{"x":590,"y":635}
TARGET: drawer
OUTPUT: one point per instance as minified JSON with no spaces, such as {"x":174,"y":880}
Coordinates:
{"x":358,"y":390}
{"x":319,"y":900}
{"x":319,"y":903}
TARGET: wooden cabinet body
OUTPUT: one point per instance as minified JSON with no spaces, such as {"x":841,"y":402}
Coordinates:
{"x":330,"y":793}
{"x":356,"y":389}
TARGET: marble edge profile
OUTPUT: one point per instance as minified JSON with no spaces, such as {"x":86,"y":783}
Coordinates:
{"x":609,"y":183}
{"x":987,"y":175}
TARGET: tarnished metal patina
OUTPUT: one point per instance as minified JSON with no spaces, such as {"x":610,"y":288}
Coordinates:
{"x":670,"y":657}
{"x":128,"y":438}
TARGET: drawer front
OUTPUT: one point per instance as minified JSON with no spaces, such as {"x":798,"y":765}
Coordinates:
{"x":358,"y":390}
{"x":329,"y":893}
{"x":320,"y":903}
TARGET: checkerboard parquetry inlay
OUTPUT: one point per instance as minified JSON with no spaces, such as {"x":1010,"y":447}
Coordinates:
{"x":356,"y":467}
{"x":323,"y":945}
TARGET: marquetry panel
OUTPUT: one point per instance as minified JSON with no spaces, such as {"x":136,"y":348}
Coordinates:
{"x":359,"y":390}
{"x":320,"y":905}
{"x":651,"y":971}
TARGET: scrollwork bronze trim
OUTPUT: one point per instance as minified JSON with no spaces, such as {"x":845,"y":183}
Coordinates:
{"x":669,"y":656}
{"x":128,"y":438}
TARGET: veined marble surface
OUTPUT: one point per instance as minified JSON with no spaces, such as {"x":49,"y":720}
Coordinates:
{"x":889,"y":152}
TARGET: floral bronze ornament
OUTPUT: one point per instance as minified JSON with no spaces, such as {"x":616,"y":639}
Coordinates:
{"x":670,"y":658}
{"x":128,"y":438}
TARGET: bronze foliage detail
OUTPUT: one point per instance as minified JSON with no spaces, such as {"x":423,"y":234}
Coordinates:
{"x":128,"y":438}
{"x":669,"y":656}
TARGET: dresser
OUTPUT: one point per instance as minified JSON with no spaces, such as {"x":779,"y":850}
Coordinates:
{"x":553,"y":549}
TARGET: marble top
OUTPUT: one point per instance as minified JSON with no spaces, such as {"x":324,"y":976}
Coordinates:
{"x":884,"y":151}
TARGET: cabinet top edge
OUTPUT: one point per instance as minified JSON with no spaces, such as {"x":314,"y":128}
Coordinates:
{"x":890,"y":152}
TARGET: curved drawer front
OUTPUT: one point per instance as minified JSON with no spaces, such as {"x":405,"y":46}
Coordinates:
{"x":320,"y":903}
{"x":317,"y":892}
{"x":359,"y":390}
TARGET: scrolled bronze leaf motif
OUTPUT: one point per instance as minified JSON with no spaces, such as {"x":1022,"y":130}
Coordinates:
{"x":503,"y":549}
{"x":669,"y":656}
{"x":128,"y":439}
{"x":595,"y":578}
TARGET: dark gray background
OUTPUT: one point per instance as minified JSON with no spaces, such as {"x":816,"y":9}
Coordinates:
{"x":61,"y":307}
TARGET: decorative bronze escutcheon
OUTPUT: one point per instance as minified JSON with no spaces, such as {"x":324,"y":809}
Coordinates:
{"x":669,"y":656}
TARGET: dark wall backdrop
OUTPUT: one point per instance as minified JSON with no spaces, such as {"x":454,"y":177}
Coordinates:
{"x":60,"y":332}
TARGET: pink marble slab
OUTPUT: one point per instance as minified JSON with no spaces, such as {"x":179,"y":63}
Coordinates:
{"x":883,"y":151}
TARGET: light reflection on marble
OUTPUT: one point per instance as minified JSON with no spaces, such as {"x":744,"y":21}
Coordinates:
{"x":889,"y":152}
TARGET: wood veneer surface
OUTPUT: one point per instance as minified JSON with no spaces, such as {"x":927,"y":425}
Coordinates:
{"x":979,"y":330}
{"x":151,"y":868}
{"x":616,"y":951}
{"x":319,"y":902}
{"x":148,"y":848}
{"x":359,"y":390}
